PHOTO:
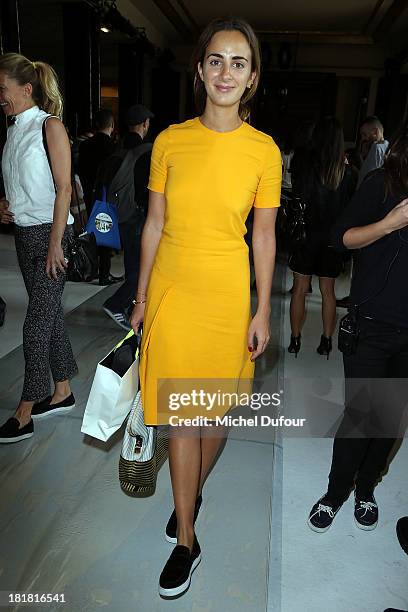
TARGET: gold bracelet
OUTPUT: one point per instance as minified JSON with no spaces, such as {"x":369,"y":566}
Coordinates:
{"x":134,"y":302}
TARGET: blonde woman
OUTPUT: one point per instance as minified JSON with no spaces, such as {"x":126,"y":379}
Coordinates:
{"x":37,"y":177}
{"x":193,"y":292}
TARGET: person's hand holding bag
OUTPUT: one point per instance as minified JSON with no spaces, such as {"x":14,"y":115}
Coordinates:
{"x":6,"y":216}
{"x":55,"y":260}
{"x":137,"y":316}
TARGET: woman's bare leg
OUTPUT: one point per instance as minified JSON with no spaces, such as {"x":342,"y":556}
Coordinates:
{"x":211,"y":440}
{"x":185,"y":469}
{"x":62,"y":391}
{"x":191,"y":457}
{"x":328,"y":305}
{"x":301,"y":283}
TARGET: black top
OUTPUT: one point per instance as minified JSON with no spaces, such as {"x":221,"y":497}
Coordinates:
{"x":323,"y":206}
{"x":374,"y":275}
{"x":92,"y":153}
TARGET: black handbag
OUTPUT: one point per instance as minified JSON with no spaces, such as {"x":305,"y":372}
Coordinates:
{"x":2,"y":311}
{"x":83,"y":250}
{"x":83,"y":259}
{"x":296,"y":221}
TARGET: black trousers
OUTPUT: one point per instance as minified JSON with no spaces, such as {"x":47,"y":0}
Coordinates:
{"x":376,"y":379}
{"x":45,"y":340}
{"x":130,"y":235}
{"x":104,"y":254}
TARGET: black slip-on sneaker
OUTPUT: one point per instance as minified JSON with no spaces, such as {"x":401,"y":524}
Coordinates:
{"x":44,"y":409}
{"x":171,"y":527}
{"x":322,"y":514}
{"x":402,"y":533}
{"x":176,"y":575}
{"x":366,"y":512}
{"x":11,"y":431}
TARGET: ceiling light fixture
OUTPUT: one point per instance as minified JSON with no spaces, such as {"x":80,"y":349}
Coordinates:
{"x":105,"y":29}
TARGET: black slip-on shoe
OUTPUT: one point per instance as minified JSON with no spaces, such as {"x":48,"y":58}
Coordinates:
{"x":176,"y":575}
{"x":11,"y":431}
{"x":171,"y":527}
{"x":402,"y":533}
{"x":322,"y":514}
{"x":366,"y":512}
{"x":44,"y":409}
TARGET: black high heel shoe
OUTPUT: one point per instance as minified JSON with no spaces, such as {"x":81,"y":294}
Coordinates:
{"x":294,"y":346}
{"x":325,"y":346}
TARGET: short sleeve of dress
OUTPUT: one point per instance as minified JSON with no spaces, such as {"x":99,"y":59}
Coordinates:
{"x":269,"y":186}
{"x":158,"y":164}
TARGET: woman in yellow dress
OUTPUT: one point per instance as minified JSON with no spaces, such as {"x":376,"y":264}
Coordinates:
{"x":194,"y":292}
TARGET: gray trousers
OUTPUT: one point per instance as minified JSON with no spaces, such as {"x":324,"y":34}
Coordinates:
{"x":45,"y":340}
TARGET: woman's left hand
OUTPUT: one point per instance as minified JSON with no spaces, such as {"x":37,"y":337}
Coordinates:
{"x":260,"y":329}
{"x":55,"y":261}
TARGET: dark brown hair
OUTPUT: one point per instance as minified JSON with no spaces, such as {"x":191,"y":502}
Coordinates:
{"x":328,"y":151}
{"x":46,"y":92}
{"x":396,"y":163}
{"x":229,"y":24}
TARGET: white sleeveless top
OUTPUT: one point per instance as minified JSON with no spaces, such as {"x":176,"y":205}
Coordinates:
{"x":27,"y":175}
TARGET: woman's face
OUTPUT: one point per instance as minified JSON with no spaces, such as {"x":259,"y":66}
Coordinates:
{"x":226,"y":68}
{"x":14,"y":98}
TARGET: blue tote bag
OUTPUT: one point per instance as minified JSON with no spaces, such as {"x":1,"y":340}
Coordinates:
{"x":104,"y":223}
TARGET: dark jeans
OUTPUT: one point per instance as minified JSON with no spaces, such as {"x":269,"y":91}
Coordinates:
{"x":375,"y":409}
{"x":104,"y":257}
{"x":130,"y":235}
{"x":104,"y":253}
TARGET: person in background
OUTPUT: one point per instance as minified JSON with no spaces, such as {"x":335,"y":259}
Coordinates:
{"x":300,"y":159}
{"x":376,"y":370}
{"x":372,"y":150}
{"x":287,"y":153}
{"x":323,"y":184}
{"x":354,"y":160}
{"x":76,"y":143}
{"x":373,"y":146}
{"x":92,"y":152}
{"x":138,"y":121}
{"x":38,"y":195}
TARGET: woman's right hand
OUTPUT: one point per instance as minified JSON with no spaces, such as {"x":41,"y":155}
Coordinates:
{"x":5,"y":215}
{"x":137,"y":316}
{"x":397,"y":218}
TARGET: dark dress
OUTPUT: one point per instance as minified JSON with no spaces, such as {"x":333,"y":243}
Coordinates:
{"x":316,"y":254}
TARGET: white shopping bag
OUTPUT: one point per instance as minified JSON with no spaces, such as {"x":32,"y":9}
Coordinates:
{"x":111,"y":397}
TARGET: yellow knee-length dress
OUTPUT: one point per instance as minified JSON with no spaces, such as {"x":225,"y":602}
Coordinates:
{"x":198,"y":299}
